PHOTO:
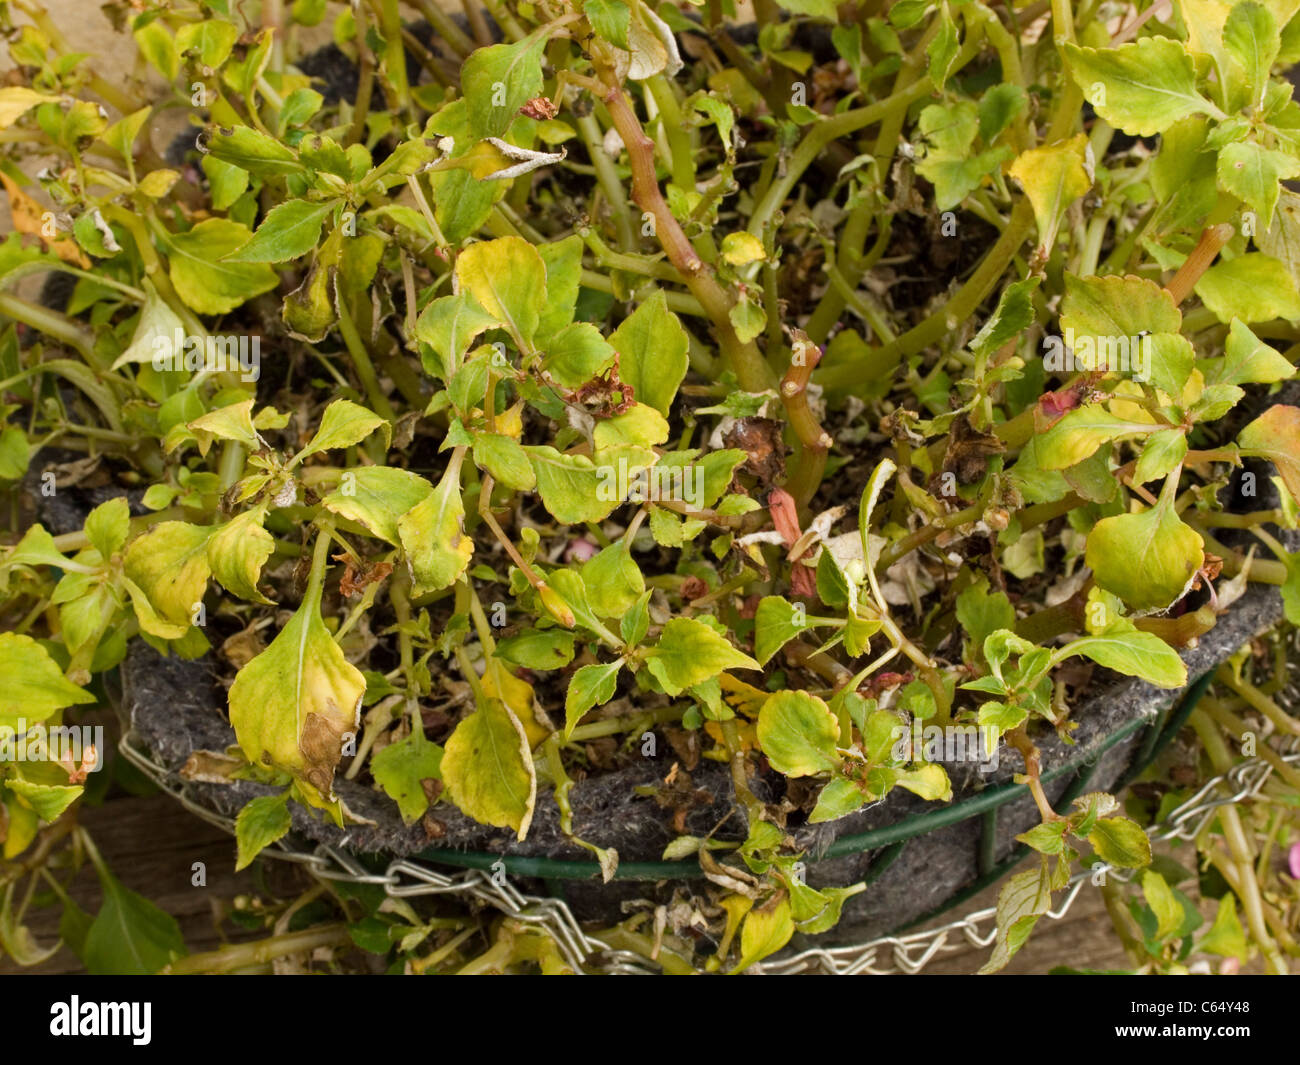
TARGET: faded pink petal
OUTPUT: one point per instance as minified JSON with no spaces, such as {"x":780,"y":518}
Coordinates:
{"x":581,"y":550}
{"x":1293,"y":859}
{"x":785,"y":515}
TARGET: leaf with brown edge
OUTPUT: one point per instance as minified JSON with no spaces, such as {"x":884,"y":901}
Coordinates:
{"x":1275,"y":435}
{"x":294,"y":705}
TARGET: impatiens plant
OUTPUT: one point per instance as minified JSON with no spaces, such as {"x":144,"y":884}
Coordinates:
{"x":625,"y":372}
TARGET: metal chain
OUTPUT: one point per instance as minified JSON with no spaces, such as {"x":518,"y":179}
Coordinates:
{"x":585,"y":954}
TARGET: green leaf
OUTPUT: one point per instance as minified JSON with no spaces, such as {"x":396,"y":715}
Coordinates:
{"x":260,"y":823}
{"x":1163,"y":451}
{"x":996,"y":719}
{"x":488,"y":769}
{"x":1251,"y":39}
{"x":505,"y":460}
{"x":1275,"y":435}
{"x":226,"y":182}
{"x":563,"y":261}
{"x":497,"y":81}
{"x":688,"y":652}
{"x":1254,"y":174}
{"x":798,"y":734}
{"x":1143,"y":87}
{"x":613,"y":581}
{"x":108,"y":525}
{"x":508,"y":279}
{"x":1023,"y":899}
{"x":238,"y":550}
{"x":1253,"y":287}
{"x":343,"y":424}
{"x":776,"y":622}
{"x":1134,"y":653}
{"x":130,"y":936}
{"x":155,"y":331}
{"x":748,"y":319}
{"x":255,"y":152}
{"x":1053,"y":178}
{"x":652,"y":347}
{"x":570,"y":486}
{"x":377,"y":497}
{"x":169,"y":564}
{"x":158,"y":46}
{"x":1147,"y":558}
{"x":1013,"y":315}
{"x":884,"y":470}
{"x":539,"y":649}
{"x":592,"y":685}
{"x":449,"y":325}
{"x":1120,"y":842}
{"x":295,"y":705}
{"x":610,"y":19}
{"x":210,"y":39}
{"x":1246,"y":360}
{"x":839,"y":797}
{"x":47,"y":800}
{"x":433,"y":535}
{"x":576,"y":354}
{"x":402,"y":768}
{"x":206,"y":283}
{"x":942,"y":49}
{"x":950,"y":162}
{"x":1225,"y":937}
{"x":1047,"y":838}
{"x":981,"y":612}
{"x":1167,"y":909}
{"x":289,"y":230}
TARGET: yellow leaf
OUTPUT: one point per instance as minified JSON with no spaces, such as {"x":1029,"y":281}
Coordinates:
{"x":17,"y":100}
{"x":1053,"y":178}
{"x":29,"y":217}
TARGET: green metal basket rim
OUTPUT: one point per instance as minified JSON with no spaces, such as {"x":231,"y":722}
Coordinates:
{"x":1161,"y":732}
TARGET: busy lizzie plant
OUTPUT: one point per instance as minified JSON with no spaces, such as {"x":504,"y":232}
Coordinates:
{"x":603,"y":369}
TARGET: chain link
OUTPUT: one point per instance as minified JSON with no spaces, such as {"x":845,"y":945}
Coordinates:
{"x":585,"y":954}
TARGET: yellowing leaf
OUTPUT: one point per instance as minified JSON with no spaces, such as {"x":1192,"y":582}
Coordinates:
{"x":238,"y":550}
{"x":32,"y":686}
{"x":766,"y":930}
{"x":798,"y":733}
{"x":433,"y":535}
{"x":488,"y":769}
{"x":28,"y":216}
{"x":1143,"y":87}
{"x":1053,"y":178}
{"x":17,"y":100}
{"x":740,"y":248}
{"x":508,"y":279}
{"x":169,"y":564}
{"x":1275,"y":435}
{"x":688,"y":652}
{"x":1148,"y":558}
{"x":295,"y":705}
{"x":378,"y":497}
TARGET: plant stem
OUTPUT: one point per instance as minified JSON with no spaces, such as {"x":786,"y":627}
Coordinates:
{"x":362,"y":364}
{"x":745,"y":360}
{"x":245,"y":955}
